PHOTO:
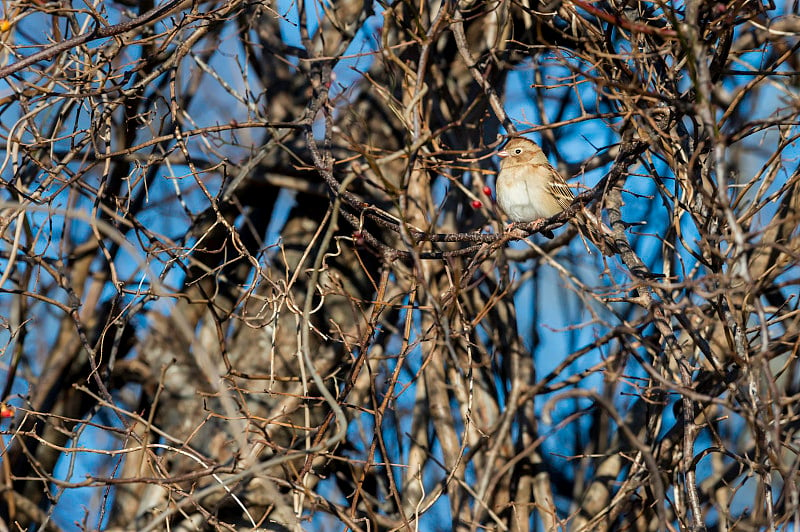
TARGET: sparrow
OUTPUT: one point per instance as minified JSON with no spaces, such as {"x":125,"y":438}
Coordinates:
{"x":528,"y":188}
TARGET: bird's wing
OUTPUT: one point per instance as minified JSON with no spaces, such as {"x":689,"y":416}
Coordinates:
{"x":560,"y":190}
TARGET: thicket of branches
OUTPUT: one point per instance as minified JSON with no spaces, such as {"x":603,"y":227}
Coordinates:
{"x":251,"y":275}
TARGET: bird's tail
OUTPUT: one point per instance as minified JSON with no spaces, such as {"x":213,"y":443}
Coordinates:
{"x":595,"y":231}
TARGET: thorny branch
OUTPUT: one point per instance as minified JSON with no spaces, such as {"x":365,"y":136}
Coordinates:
{"x":252,"y":276}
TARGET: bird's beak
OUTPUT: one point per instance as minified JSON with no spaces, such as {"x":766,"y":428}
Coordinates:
{"x":502,"y":154}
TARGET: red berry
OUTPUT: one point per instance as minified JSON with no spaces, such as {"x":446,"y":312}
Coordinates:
{"x":487,"y":191}
{"x":477,"y":204}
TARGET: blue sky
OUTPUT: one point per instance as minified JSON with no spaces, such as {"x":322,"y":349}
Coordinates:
{"x":535,"y":298}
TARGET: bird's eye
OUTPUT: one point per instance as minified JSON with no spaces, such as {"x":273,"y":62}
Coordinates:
{"x":518,"y":151}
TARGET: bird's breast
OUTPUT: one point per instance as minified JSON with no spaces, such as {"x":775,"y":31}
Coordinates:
{"x":525,"y":199}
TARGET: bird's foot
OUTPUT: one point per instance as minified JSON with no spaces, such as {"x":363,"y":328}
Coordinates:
{"x":524,"y":229}
{"x":533,"y":226}
{"x":515,"y":232}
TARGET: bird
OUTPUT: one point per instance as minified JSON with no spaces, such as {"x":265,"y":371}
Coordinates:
{"x":528,"y":188}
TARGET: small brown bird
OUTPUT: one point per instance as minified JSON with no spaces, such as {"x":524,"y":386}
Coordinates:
{"x":529,"y":188}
